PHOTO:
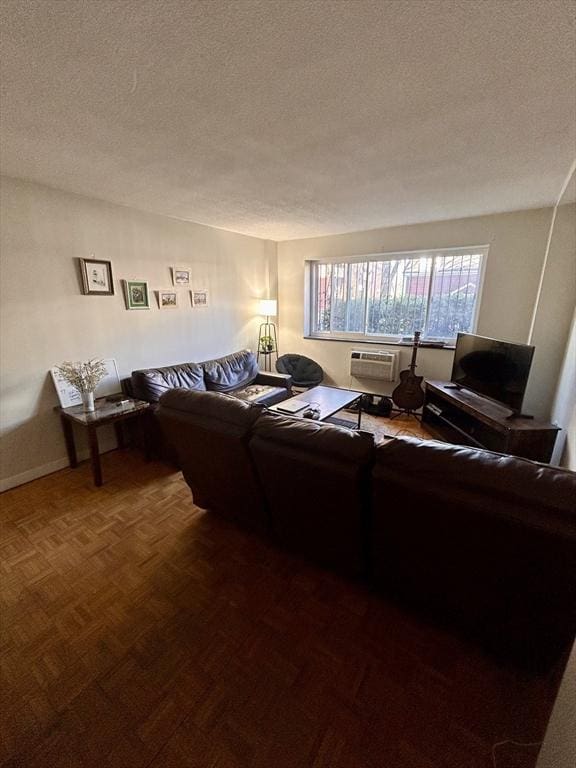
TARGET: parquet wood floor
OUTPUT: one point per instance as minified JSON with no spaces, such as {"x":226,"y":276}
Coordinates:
{"x":401,"y":426}
{"x":140,"y":631}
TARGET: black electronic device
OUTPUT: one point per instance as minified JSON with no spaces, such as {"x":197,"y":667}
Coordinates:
{"x":495,"y":369}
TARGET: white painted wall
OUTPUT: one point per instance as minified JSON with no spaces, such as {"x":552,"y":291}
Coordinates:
{"x":564,"y":408}
{"x":555,"y":311}
{"x":517,"y":243}
{"x":550,"y":318}
{"x":45,"y":319}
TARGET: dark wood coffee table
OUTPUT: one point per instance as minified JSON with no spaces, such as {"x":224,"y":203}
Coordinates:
{"x":328,"y":400}
{"x":105,"y":413}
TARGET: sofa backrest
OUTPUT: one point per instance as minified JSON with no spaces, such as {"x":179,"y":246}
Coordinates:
{"x":224,"y":374}
{"x":151,"y":383}
{"x":485,"y":540}
{"x":316,"y":480}
{"x":210,"y":433}
{"x":231,"y":372}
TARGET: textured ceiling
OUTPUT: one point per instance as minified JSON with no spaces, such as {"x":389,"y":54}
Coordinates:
{"x":285,"y":119}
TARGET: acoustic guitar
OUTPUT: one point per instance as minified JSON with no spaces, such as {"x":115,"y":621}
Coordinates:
{"x":409,"y":395}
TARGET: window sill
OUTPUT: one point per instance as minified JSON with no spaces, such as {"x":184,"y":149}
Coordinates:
{"x":408,"y":344}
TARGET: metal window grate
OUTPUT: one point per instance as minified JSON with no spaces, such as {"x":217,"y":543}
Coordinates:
{"x":436,"y":292}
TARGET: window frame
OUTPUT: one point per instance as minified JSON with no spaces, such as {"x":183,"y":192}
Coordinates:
{"x":311,"y":291}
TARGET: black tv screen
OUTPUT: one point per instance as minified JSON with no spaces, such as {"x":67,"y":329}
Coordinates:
{"x":497,"y":369}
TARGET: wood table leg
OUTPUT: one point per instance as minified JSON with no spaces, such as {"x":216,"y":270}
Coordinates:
{"x":70,"y":445}
{"x":119,"y":434}
{"x":144,"y":425}
{"x":95,"y":455}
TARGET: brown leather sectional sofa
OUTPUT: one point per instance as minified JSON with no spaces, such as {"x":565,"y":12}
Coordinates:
{"x":481,"y":541}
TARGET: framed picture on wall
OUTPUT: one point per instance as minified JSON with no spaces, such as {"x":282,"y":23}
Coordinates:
{"x":199,"y":297}
{"x":181,"y":276}
{"x":96,"y":277}
{"x":167,"y":299}
{"x":136,"y":294}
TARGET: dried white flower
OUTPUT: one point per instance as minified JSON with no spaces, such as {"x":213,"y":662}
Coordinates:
{"x":84,"y":377}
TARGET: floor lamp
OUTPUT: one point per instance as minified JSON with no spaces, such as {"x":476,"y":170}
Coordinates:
{"x":267,"y":341}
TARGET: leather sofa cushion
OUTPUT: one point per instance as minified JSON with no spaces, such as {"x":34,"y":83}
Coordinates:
{"x":213,"y":408}
{"x":316,"y":437}
{"x":316,"y":478}
{"x":530,"y":493}
{"x":150,"y":384}
{"x":230,"y":372}
{"x":479,"y":540}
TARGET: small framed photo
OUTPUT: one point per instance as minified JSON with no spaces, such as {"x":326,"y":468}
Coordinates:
{"x":199,"y":298}
{"x":167,"y":299}
{"x":181,"y":276}
{"x":136,"y":294}
{"x":96,"y":277}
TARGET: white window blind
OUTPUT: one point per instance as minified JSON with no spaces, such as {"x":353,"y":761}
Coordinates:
{"x":393,"y":295}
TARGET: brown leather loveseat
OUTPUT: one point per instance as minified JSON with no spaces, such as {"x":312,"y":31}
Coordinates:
{"x":236,"y":374}
{"x":478,"y":540}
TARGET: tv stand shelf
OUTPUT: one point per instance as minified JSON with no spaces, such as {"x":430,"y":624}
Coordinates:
{"x":465,"y":418}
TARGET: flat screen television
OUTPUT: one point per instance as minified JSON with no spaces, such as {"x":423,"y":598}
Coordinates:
{"x":496,"y":369}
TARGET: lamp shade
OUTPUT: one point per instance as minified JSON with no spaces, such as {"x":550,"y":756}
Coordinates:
{"x":268,"y":307}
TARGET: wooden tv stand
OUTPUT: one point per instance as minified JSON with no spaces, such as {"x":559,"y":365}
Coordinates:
{"x":463,"y":417}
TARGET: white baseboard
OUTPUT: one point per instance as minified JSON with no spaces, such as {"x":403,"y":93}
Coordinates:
{"x":32,"y":474}
{"x":43,"y":469}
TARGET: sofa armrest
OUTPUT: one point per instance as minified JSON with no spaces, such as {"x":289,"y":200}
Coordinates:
{"x":273,"y":379}
{"x":126,"y":386}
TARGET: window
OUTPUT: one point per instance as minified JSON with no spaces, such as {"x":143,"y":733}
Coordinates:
{"x":392,"y":295}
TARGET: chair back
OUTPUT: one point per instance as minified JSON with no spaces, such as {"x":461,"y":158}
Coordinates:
{"x":304,"y":371}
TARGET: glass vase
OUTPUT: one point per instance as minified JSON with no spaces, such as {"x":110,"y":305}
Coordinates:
{"x":88,"y":401}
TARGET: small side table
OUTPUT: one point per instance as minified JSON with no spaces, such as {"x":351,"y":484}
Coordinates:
{"x":104,"y":413}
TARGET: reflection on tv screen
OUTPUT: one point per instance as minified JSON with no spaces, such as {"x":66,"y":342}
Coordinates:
{"x":496,"y":369}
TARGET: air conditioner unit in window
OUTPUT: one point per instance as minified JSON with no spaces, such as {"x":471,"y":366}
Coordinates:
{"x":374,"y":365}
